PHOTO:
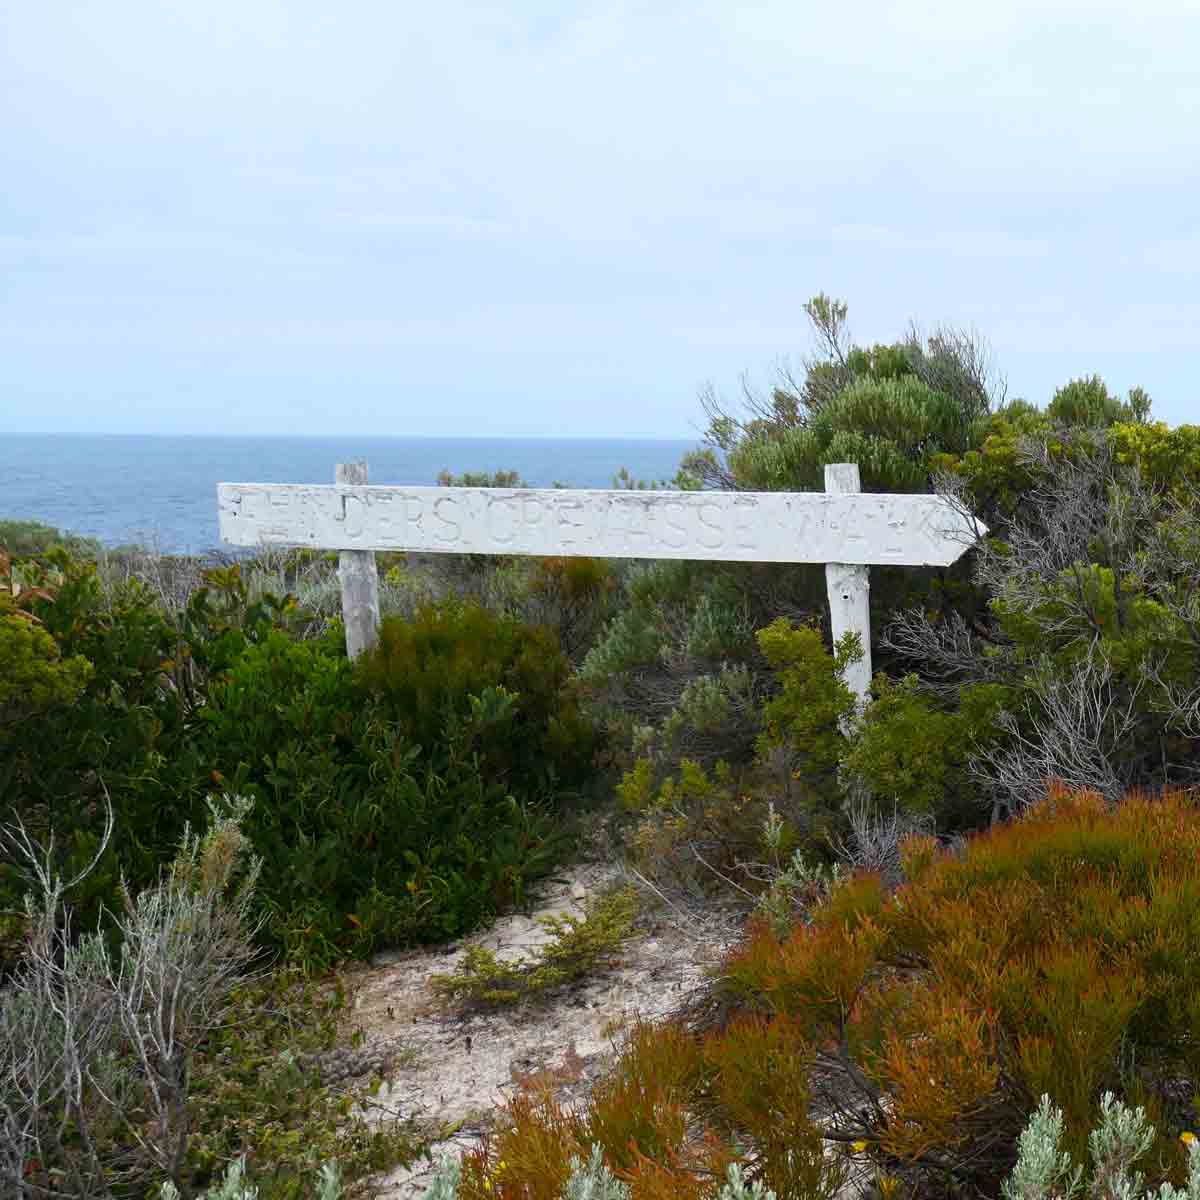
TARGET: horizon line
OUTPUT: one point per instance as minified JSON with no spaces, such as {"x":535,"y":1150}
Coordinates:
{"x":393,"y":437}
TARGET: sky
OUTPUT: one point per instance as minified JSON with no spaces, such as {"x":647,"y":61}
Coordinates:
{"x":378,"y":217}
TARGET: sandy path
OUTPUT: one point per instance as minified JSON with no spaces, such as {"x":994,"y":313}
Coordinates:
{"x":456,"y":1067}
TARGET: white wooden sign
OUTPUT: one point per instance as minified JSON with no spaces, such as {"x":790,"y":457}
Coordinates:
{"x":841,"y":527}
{"x":813,"y":527}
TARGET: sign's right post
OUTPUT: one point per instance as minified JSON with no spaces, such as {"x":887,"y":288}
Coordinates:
{"x":849,"y":587}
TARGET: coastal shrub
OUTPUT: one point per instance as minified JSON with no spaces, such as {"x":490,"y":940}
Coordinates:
{"x":96,"y":1048}
{"x":806,"y":715}
{"x":405,"y":801}
{"x":31,"y":539}
{"x":573,"y":596}
{"x":824,"y":780}
{"x":670,"y":1119}
{"x":1086,"y":649}
{"x":367,"y":838}
{"x":634,"y":1117}
{"x":695,"y":829}
{"x":1054,"y":955}
{"x":912,"y":753}
{"x":1167,"y":459}
{"x":33,"y":673}
{"x":116,"y":731}
{"x":258,"y":1091}
{"x":676,"y":673}
{"x":481,"y":479}
{"x":905,"y":751}
{"x":175,"y":1053}
{"x":890,"y":408}
{"x":1088,"y":402}
{"x":503,"y":685}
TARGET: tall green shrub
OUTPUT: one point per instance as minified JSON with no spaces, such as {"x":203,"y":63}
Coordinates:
{"x":502,"y":685}
{"x":367,"y":837}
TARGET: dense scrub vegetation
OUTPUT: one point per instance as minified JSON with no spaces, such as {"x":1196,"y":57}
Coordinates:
{"x":405,"y":797}
{"x":916,"y":1030}
{"x":932,"y":944}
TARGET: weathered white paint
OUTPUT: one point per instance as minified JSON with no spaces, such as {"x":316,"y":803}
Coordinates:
{"x":812,"y":527}
{"x":849,"y":588}
{"x":842,"y":527}
{"x":359,"y":579}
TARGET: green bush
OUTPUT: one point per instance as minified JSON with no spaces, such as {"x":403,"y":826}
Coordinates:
{"x":405,"y":801}
{"x":501,"y":686}
{"x":121,"y":734}
{"x":33,"y":674}
{"x":367,"y":839}
{"x":28,"y":539}
{"x":913,"y":754}
{"x":257,"y":1090}
{"x":805,"y":717}
{"x":1088,"y":402}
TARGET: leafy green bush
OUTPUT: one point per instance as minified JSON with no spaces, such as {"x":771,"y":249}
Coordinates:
{"x":914,"y":754}
{"x":121,"y":734}
{"x":893,"y":409}
{"x":368,"y":835}
{"x":1088,"y":402}
{"x":33,"y":674}
{"x":501,"y":686}
{"x":807,"y":715}
{"x":366,"y":839}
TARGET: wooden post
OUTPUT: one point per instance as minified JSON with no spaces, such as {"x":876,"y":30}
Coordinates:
{"x":849,"y":587}
{"x":359,"y":579}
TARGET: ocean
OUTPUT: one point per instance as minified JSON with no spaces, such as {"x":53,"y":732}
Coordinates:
{"x":161,"y":491}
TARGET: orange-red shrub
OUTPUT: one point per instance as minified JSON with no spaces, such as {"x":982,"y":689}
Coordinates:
{"x":1057,"y":954}
{"x":1050,"y":955}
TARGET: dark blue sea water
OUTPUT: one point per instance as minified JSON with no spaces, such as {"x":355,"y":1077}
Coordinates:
{"x":162,"y":491}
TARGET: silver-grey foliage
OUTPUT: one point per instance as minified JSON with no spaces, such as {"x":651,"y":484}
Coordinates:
{"x":96,"y":1050}
{"x":1045,"y":1172}
{"x":736,"y":1187}
{"x":593,"y":1180}
{"x":235,"y":1186}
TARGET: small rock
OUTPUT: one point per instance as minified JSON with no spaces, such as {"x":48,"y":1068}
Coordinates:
{"x":578,"y":891}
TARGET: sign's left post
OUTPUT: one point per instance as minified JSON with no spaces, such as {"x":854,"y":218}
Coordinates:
{"x":359,"y":579}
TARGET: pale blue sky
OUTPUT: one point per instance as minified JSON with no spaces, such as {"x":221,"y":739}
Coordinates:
{"x":390,"y":218}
